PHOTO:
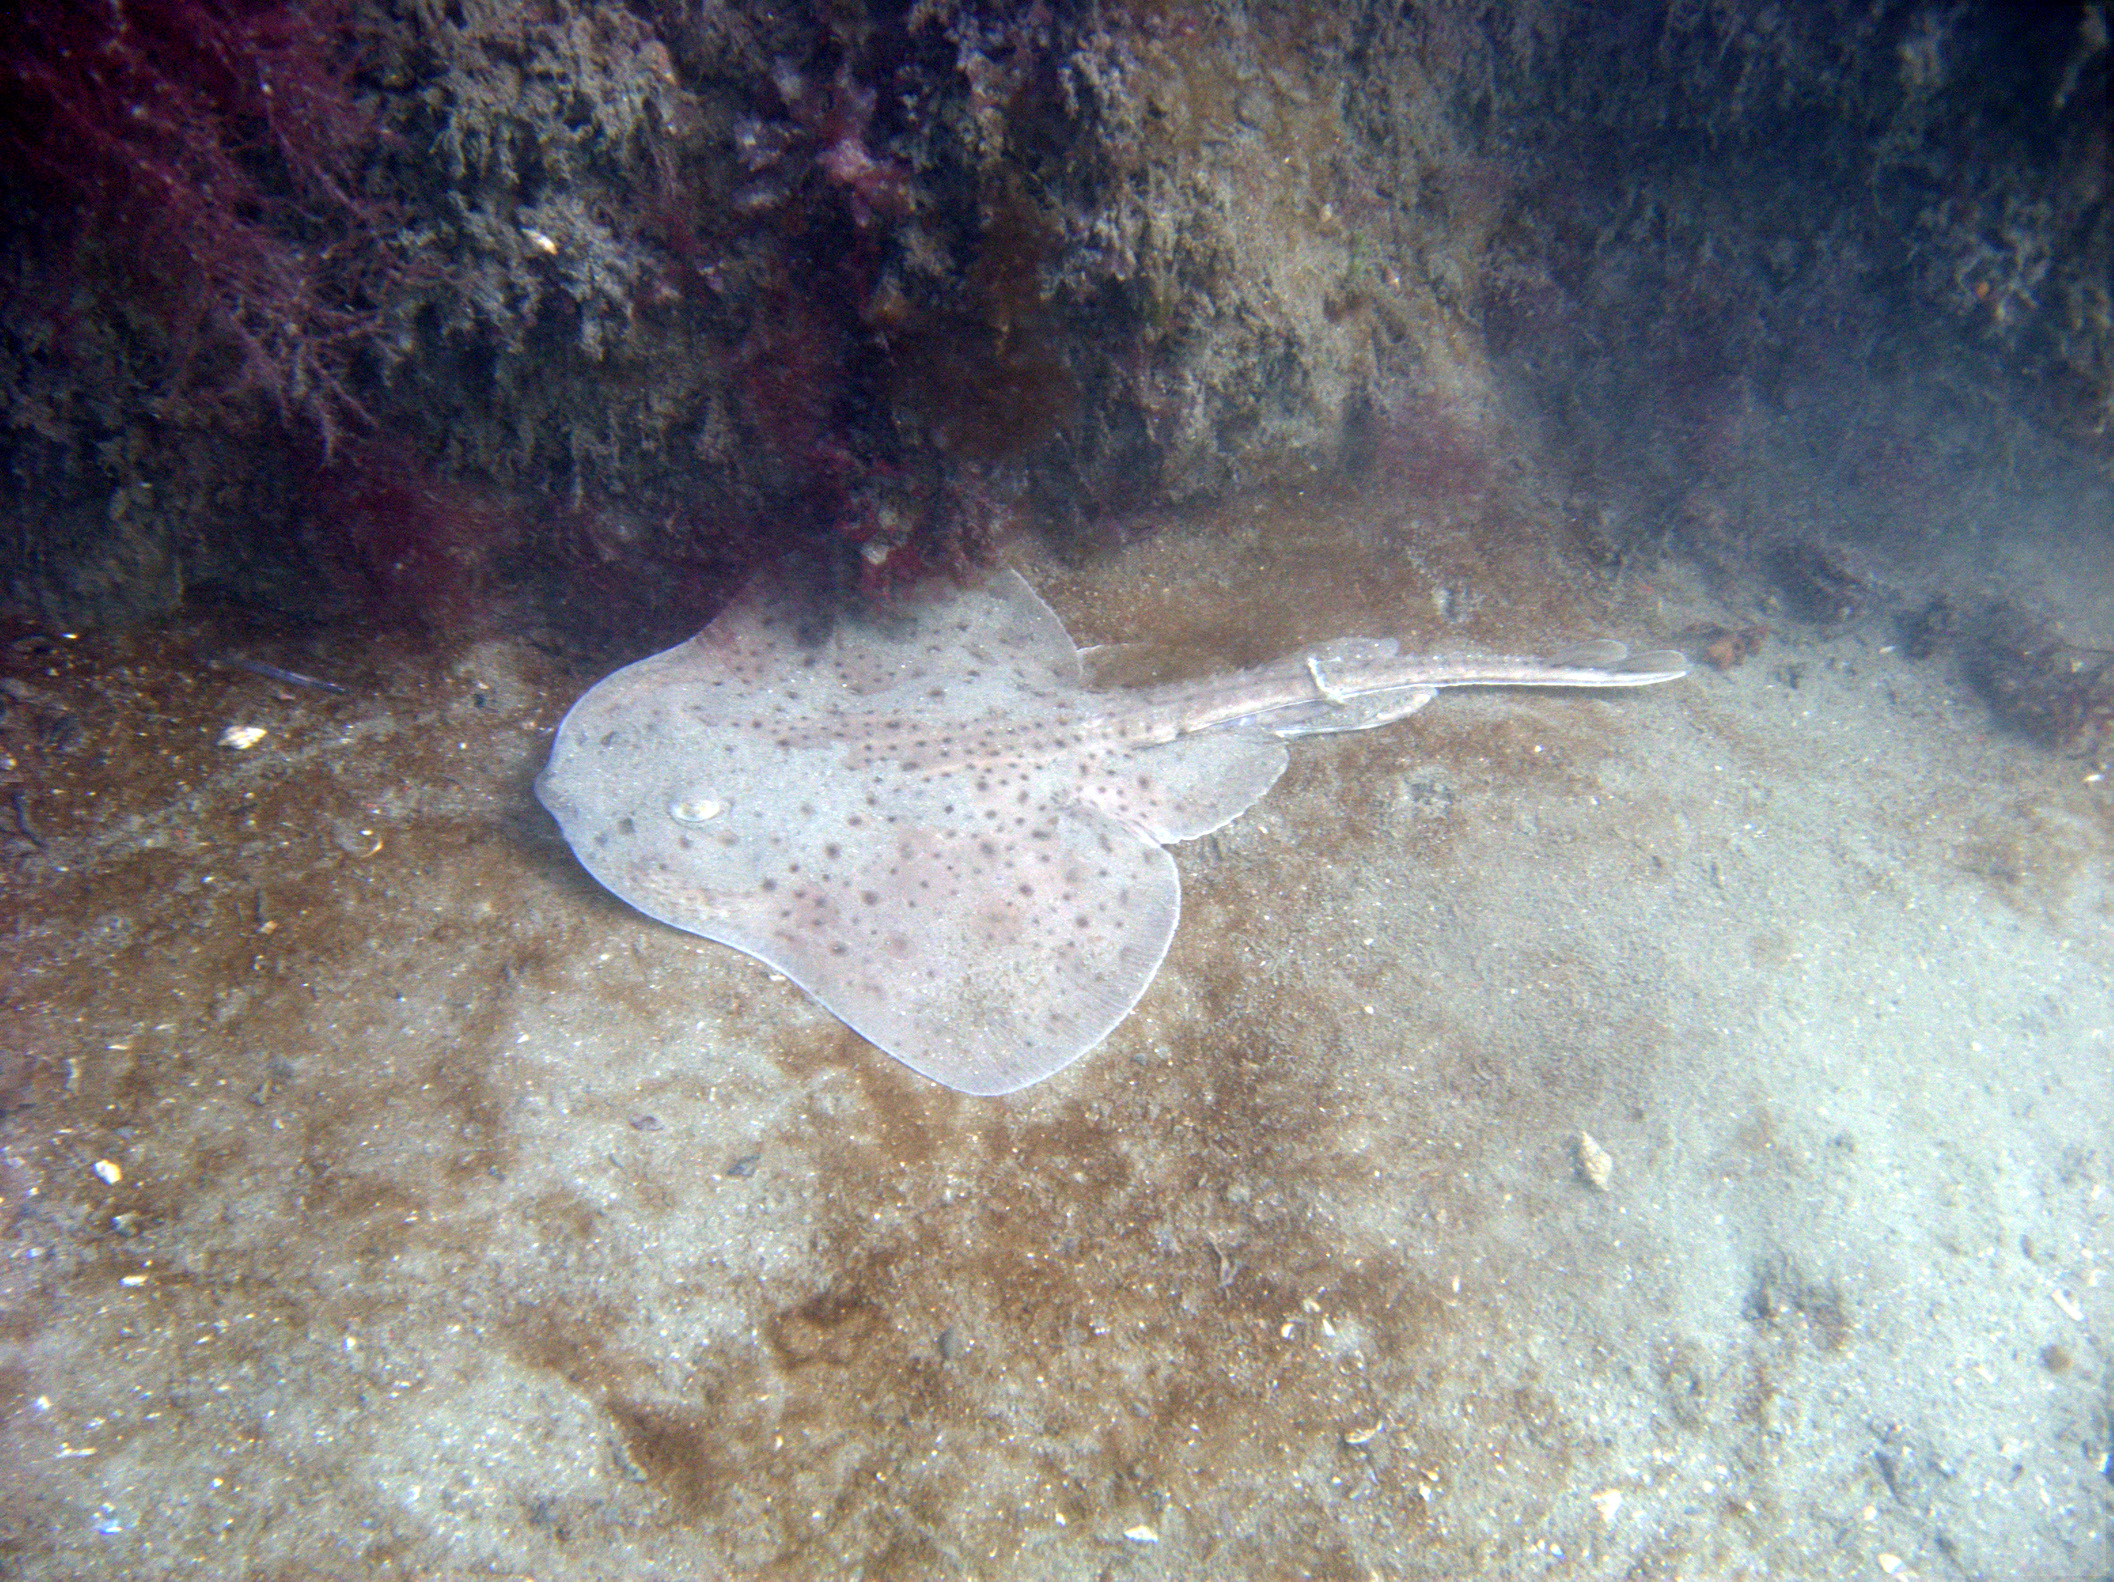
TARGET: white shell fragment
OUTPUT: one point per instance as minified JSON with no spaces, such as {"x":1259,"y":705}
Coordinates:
{"x":698,"y":810}
{"x":242,"y":737}
{"x":1595,"y":1163}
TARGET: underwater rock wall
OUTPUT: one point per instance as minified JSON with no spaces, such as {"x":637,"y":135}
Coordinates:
{"x":618,"y":301}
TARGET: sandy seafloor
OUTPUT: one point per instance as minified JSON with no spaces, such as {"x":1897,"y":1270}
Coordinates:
{"x":465,"y":1224}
